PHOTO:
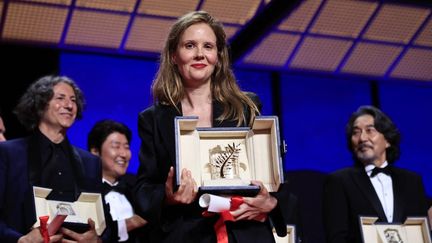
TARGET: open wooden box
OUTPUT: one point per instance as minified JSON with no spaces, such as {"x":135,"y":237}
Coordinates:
{"x":224,"y":160}
{"x":415,"y":229}
{"x":88,"y":205}
{"x":289,"y":238}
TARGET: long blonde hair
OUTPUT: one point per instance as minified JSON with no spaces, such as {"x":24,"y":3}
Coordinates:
{"x":167,"y":87}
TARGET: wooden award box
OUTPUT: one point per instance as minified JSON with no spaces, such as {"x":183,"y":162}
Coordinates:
{"x":224,"y":160}
{"x":88,"y":205}
{"x":414,"y":229}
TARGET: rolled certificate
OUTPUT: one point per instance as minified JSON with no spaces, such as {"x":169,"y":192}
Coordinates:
{"x":215,"y":204}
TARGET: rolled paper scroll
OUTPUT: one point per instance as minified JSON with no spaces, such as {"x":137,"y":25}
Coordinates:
{"x":215,"y":204}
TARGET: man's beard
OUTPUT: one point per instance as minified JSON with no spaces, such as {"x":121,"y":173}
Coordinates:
{"x":365,"y":157}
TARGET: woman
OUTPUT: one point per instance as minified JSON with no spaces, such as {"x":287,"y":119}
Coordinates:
{"x":195,"y":79}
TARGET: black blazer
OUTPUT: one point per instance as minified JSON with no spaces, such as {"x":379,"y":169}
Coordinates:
{"x":17,"y":212}
{"x":184,"y":223}
{"x":349,"y":193}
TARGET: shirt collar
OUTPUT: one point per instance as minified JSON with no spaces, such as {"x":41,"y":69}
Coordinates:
{"x":45,"y":141}
{"x":109,"y":183}
{"x":370,"y":167}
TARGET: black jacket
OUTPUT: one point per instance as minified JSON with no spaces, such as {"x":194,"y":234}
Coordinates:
{"x":184,"y":223}
{"x":349,"y":193}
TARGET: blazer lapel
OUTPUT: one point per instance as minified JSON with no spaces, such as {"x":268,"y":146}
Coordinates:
{"x":165,"y":118}
{"x":398,"y":200}
{"x":79,"y":172}
{"x":366,"y":187}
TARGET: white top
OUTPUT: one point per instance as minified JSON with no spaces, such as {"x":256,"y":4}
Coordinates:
{"x":383,"y":185}
{"x":120,"y":210}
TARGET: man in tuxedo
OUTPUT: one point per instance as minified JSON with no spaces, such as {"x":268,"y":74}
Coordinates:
{"x":47,"y":159}
{"x":373,"y":186}
{"x":110,"y":140}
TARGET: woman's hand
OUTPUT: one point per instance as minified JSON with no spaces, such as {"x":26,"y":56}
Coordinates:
{"x":186,"y":192}
{"x":254,"y":207}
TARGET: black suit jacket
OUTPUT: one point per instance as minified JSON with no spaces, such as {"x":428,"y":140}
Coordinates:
{"x":185,"y":223}
{"x":349,"y":193}
{"x":17,"y":212}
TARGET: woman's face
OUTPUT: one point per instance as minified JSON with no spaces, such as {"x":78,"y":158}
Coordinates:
{"x":196,"y":54}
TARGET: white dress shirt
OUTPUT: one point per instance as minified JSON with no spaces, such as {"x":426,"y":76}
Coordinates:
{"x":383,"y":185}
{"x":120,"y":210}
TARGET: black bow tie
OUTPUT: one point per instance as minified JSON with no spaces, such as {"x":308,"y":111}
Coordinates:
{"x":120,"y":188}
{"x":386,"y":170}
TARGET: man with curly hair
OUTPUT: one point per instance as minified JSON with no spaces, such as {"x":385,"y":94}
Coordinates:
{"x":46,"y":158}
